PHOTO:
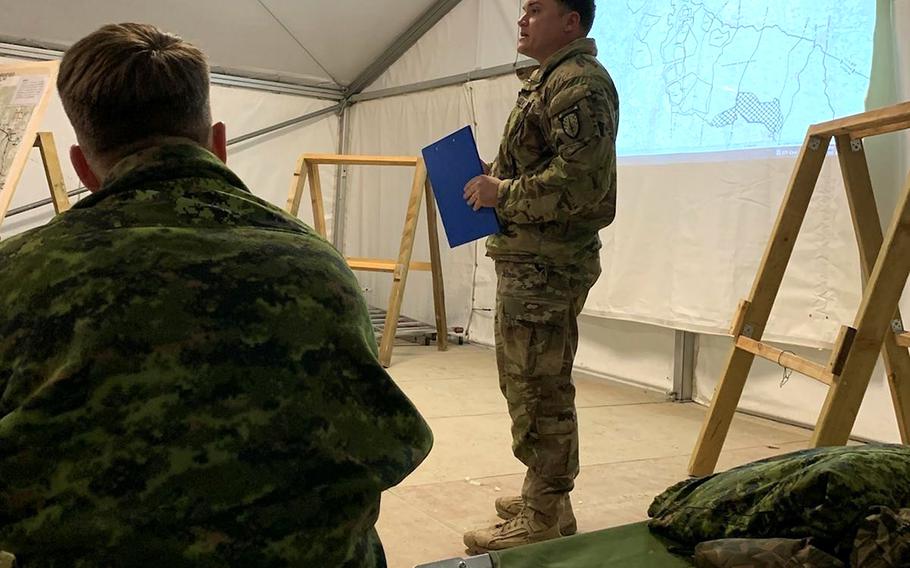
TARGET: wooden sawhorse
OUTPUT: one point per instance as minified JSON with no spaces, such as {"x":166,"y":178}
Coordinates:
{"x":308,"y":169}
{"x":44,"y":141}
{"x":878,"y":326}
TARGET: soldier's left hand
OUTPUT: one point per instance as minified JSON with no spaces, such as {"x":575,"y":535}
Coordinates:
{"x":482,"y":191}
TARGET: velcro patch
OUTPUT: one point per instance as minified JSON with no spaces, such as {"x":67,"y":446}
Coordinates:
{"x":570,"y":124}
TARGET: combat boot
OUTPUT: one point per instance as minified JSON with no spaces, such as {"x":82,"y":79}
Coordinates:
{"x":508,"y":507}
{"x":524,"y":528}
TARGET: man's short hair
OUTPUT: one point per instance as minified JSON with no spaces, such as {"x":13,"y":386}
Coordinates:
{"x":585,"y":9}
{"x":125,"y":83}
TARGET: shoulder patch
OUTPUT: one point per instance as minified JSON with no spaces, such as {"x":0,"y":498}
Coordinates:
{"x":570,"y":124}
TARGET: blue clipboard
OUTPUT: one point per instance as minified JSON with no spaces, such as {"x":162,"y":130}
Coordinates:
{"x":451,"y":163}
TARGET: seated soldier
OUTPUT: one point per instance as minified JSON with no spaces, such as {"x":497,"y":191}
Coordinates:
{"x":188,"y":375}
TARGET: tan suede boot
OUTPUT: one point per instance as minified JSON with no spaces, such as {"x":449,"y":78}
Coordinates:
{"x":524,"y":528}
{"x":508,"y":507}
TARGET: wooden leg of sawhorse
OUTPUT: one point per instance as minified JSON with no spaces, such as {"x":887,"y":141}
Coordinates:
{"x":439,"y":296}
{"x":297,"y":184}
{"x":867,"y":225}
{"x":720,"y":414}
{"x":873,"y":325}
{"x":52,"y":171}
{"x":400,"y":276}
{"x":316,"y":199}
{"x":753,"y":315}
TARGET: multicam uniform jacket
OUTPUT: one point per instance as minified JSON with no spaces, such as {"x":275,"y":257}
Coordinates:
{"x":557,"y":161}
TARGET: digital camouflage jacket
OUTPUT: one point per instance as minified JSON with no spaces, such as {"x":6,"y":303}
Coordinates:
{"x":189,"y":377}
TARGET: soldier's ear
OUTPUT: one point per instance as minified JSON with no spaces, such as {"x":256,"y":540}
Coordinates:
{"x":219,"y":141}
{"x":83,"y":169}
{"x":573,"y":22}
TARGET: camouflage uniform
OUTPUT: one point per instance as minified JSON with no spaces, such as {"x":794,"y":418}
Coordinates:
{"x":557,"y":161}
{"x":189,"y":377}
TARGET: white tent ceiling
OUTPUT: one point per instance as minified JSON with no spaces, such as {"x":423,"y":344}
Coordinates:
{"x":295,"y":41}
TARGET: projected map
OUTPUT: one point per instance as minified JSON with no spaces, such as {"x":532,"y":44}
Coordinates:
{"x":713,"y":75}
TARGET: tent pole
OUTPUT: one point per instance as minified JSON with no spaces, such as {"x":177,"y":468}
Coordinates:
{"x":341,"y":179}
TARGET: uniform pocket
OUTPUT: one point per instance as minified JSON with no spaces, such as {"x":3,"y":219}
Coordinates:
{"x":534,"y":335}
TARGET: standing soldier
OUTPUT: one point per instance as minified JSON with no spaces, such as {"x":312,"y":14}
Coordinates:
{"x":553,"y":186}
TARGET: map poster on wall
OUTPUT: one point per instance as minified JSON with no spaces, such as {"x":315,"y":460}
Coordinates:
{"x":25,"y":90}
{"x":700,"y":76}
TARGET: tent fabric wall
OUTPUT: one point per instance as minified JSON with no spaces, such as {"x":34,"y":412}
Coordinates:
{"x":377,"y":199}
{"x":476,"y":34}
{"x":266,"y":164}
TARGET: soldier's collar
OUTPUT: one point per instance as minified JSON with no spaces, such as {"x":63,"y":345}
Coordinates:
{"x":162,"y":149}
{"x":581,"y":46}
{"x":524,"y":73}
{"x":171,"y":158}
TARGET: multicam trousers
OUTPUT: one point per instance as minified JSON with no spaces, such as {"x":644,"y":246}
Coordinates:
{"x":537,"y":307}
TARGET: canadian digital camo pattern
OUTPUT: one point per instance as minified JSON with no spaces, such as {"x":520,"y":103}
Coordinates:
{"x":823,"y":494}
{"x":189,"y":377}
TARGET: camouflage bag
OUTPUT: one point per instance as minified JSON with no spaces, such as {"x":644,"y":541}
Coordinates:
{"x":820,"y":493}
{"x":762,"y":553}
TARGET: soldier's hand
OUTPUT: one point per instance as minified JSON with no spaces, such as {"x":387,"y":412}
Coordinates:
{"x":482,"y":191}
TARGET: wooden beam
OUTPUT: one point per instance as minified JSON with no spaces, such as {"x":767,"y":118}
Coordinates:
{"x":786,"y":359}
{"x":439,"y":296}
{"x":879,"y":121}
{"x":316,"y":197}
{"x":44,"y":141}
{"x":873,"y":323}
{"x":720,"y":414}
{"x":739,"y":319}
{"x":868,"y":228}
{"x":761,"y":300}
{"x":297,"y":184}
{"x":903,"y":339}
{"x":381,"y":265}
{"x":786,"y":230}
{"x":878,"y":130}
{"x":400,"y":276}
{"x":344,"y":159}
{"x":842,"y":346}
